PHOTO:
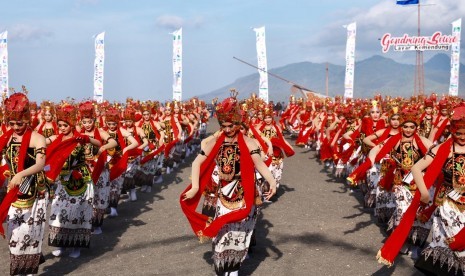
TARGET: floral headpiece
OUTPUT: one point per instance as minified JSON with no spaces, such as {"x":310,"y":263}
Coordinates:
{"x":268,"y":111}
{"x":375,"y":105}
{"x":129,"y":114}
{"x":67,"y":112}
{"x":457,"y":120}
{"x":17,"y":108}
{"x":429,"y":103}
{"x":47,"y":106}
{"x":32,"y":106}
{"x":443,"y":104}
{"x":176,"y":104}
{"x":112,"y":114}
{"x":229,"y":110}
{"x":393,"y":109}
{"x":411,"y":115}
{"x":87,"y":110}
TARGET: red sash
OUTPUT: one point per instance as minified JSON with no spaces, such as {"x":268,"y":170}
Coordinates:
{"x":12,"y":195}
{"x":199,"y":222}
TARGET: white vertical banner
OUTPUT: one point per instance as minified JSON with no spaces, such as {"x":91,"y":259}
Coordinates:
{"x":98,"y":66}
{"x":4,"y":63}
{"x":455,"y":59}
{"x":350,"y":60}
{"x":177,"y":65}
{"x":262,"y":63}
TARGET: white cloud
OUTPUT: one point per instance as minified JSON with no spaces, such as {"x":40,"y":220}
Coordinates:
{"x":169,"y":22}
{"x":386,"y":17}
{"x":172,"y":22}
{"x":24,"y":32}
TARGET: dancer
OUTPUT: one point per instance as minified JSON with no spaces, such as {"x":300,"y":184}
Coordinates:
{"x":236,"y":157}
{"x":27,"y":199}
{"x":445,"y":254}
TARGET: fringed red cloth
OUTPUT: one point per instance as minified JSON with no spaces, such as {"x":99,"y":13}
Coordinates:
{"x":344,"y":155}
{"x":359,"y":173}
{"x":302,"y":139}
{"x":440,"y":130}
{"x":387,"y":170}
{"x":199,"y":222}
{"x":458,"y":241}
{"x":57,"y":153}
{"x":325,"y":150}
{"x":169,"y":146}
{"x":425,"y":214}
{"x":393,"y":244}
{"x":120,"y":167}
{"x":99,"y":166}
{"x":151,"y":155}
{"x":41,"y":128}
{"x":12,"y":195}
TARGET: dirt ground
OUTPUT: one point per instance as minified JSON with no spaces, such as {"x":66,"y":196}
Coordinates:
{"x":315,"y":226}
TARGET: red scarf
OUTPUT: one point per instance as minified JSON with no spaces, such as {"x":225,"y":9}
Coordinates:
{"x":100,"y":164}
{"x":440,"y":129}
{"x":341,"y":128}
{"x":198,"y":221}
{"x":393,"y":244}
{"x":57,"y":153}
{"x":121,"y":166}
{"x":121,"y":141}
{"x":134,"y":133}
{"x":151,"y":155}
{"x":279,"y":141}
{"x":13,"y":194}
{"x":41,"y":128}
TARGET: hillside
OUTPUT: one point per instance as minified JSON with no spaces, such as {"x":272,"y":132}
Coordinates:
{"x":372,"y":75}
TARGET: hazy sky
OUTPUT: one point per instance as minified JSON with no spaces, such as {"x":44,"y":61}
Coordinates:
{"x":51,"y":44}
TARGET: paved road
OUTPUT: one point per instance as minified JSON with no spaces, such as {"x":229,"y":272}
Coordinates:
{"x":314,"y":227}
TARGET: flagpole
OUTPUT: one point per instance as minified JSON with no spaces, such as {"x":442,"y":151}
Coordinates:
{"x":419,"y":70}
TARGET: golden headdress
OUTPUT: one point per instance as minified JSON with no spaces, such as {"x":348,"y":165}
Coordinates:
{"x":67,"y":112}
{"x":229,"y":110}
{"x":409,"y":114}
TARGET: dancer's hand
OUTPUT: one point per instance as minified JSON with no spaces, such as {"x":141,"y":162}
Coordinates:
{"x":190,"y":194}
{"x":270,"y":193}
{"x":424,"y":198}
{"x":15,"y":181}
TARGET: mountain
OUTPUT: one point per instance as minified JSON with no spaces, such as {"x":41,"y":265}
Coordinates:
{"x":376,"y":74}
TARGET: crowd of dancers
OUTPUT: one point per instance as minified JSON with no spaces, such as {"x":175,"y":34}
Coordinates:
{"x":406,"y":155}
{"x":68,"y":165}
